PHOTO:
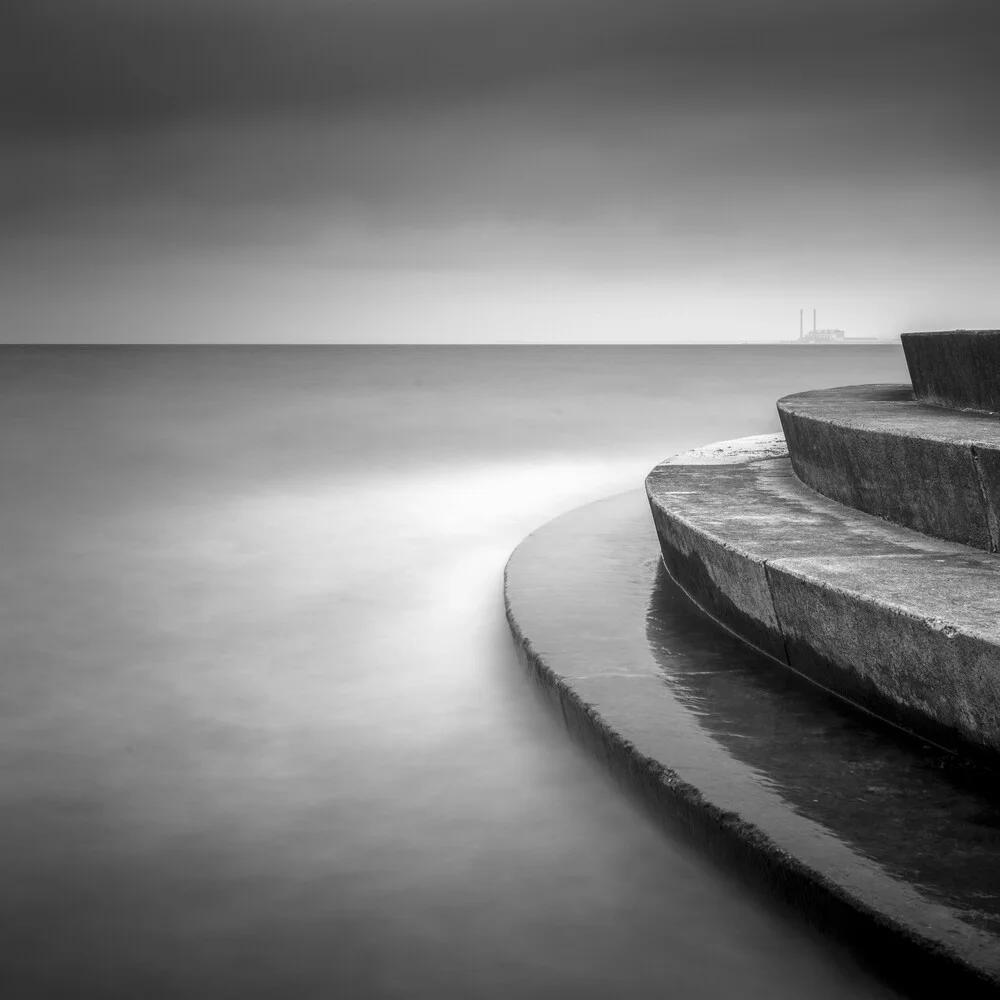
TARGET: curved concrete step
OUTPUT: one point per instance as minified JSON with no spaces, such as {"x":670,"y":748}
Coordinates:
{"x":877,"y":838}
{"x":877,"y":449}
{"x":955,"y":368}
{"x":904,"y":625}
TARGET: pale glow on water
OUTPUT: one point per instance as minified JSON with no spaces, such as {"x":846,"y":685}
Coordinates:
{"x":262,"y":709}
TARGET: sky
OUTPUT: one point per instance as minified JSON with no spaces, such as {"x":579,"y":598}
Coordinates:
{"x":397,"y":171}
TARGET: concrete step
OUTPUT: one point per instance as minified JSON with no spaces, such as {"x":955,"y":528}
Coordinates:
{"x":877,"y":838}
{"x":877,"y":449}
{"x":955,"y":368}
{"x":902,"y":624}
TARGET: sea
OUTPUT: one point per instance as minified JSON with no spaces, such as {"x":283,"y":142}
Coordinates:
{"x":264,"y":732}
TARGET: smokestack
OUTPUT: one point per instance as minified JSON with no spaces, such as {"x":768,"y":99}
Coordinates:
{"x":814,"y":319}
{"x":800,"y":323}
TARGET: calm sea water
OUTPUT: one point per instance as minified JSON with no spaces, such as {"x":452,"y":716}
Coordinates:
{"x":263,"y":729}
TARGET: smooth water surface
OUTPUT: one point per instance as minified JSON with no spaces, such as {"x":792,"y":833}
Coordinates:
{"x":264,"y":731}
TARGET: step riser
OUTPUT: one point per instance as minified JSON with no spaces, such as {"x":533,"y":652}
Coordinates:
{"x":959,"y":369}
{"x":840,"y":618}
{"x":731,"y":588}
{"x":877,"y":450}
{"x":896,"y":668}
{"x":929,"y":487}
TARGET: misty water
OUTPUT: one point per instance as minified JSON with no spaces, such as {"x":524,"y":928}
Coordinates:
{"x":264,"y":730}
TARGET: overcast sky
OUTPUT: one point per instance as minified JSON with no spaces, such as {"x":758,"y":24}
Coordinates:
{"x":495,"y":170}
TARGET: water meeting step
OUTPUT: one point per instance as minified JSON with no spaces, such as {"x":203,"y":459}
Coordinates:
{"x":902,"y":624}
{"x":880,"y":450}
{"x":886,"y":841}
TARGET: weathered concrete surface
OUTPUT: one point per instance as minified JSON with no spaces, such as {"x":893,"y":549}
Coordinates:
{"x":877,"y":449}
{"x":713,"y":565}
{"x":880,"y":839}
{"x":955,"y":368}
{"x":904,"y":625}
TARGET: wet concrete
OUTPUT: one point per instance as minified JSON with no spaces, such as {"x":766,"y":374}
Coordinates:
{"x":877,"y":449}
{"x":904,"y":625}
{"x":955,"y":368}
{"x":881,"y":839}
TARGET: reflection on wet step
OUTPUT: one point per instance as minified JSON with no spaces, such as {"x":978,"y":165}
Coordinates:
{"x":923,"y":814}
{"x":885,"y":841}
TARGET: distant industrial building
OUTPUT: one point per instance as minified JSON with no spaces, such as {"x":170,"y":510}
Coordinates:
{"x":828,"y":336}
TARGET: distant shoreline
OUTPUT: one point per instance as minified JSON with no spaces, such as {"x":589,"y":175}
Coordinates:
{"x":260,"y":345}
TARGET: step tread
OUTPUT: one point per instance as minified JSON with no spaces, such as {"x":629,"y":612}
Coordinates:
{"x":893,"y":409}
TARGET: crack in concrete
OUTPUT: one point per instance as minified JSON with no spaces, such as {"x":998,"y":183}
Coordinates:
{"x":992,"y":526}
{"x":774,"y":610}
